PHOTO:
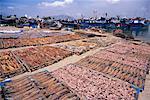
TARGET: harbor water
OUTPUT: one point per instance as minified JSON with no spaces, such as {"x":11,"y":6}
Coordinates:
{"x":142,"y":34}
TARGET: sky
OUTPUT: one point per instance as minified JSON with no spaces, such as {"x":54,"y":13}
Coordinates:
{"x":76,"y":8}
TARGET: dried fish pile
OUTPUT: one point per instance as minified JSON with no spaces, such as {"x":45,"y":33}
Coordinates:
{"x":76,"y":47}
{"x":9,"y":43}
{"x":40,"y":57}
{"x":96,"y":40}
{"x":73,"y":49}
{"x":9,"y":66}
{"x":93,"y":85}
{"x":40,"y":86}
{"x":108,"y":40}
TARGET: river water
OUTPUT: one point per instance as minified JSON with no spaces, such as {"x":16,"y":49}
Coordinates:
{"x":143,"y":35}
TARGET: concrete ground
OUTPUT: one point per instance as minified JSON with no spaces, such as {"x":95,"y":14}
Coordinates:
{"x":145,"y":95}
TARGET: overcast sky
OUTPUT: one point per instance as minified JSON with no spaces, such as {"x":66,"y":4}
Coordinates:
{"x":75,"y":8}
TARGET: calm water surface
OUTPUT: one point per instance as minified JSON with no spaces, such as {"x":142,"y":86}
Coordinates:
{"x":142,"y":34}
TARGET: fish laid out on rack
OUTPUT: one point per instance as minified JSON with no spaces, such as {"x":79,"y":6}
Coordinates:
{"x":93,"y":85}
{"x":10,"y":28}
{"x":131,"y":50}
{"x":10,"y":43}
{"x":124,"y":72}
{"x":102,"y":41}
{"x":42,"y":56}
{"x":41,"y":86}
{"x":31,"y":34}
{"x":132,"y":61}
{"x":9,"y":65}
{"x":1,"y":43}
{"x":41,"y":33}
